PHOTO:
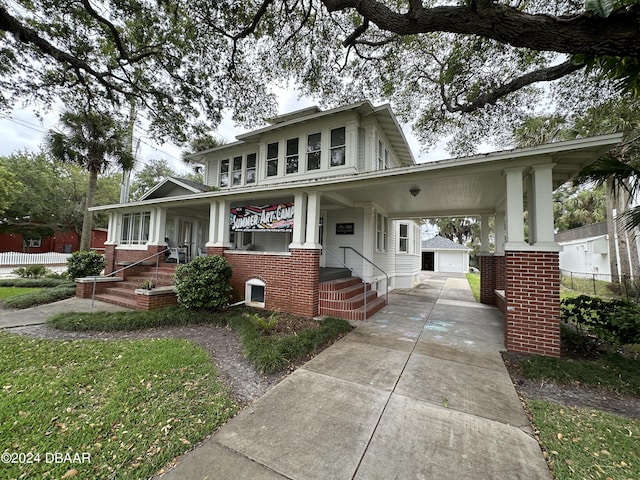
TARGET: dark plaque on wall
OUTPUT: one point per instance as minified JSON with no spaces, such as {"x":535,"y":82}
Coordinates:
{"x":344,"y":229}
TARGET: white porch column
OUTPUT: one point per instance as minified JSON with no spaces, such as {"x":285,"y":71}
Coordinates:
{"x":312,"y":239}
{"x":484,"y":234}
{"x":515,"y":209}
{"x":112,"y":229}
{"x":222,"y":236}
{"x":156,"y":229}
{"x":299,"y":220}
{"x":542,"y":205}
{"x":214,"y":212}
{"x":499,"y":231}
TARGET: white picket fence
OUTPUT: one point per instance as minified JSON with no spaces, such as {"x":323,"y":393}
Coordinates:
{"x":18,"y":259}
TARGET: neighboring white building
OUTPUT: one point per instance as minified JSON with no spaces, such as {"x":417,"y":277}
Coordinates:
{"x":440,"y":254}
{"x":585,"y":250}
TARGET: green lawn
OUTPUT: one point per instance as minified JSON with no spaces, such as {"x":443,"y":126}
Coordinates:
{"x":8,"y":292}
{"x":129,"y":406}
{"x":474,"y":283}
{"x":587,"y":444}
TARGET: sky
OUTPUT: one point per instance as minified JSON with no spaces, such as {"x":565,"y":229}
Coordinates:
{"x":21,"y":129}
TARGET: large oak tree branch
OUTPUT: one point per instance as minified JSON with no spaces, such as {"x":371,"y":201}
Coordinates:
{"x":543,"y":75}
{"x":616,"y":35}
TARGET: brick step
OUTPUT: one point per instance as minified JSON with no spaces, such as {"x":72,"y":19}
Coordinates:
{"x":340,"y":283}
{"x":357,"y":314}
{"x":121,"y":292}
{"x":352,"y":303}
{"x":344,"y":293}
{"x":117,"y":300}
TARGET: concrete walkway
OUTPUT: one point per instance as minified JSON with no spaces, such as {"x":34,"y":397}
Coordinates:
{"x":418,"y":392}
{"x":40,"y":314}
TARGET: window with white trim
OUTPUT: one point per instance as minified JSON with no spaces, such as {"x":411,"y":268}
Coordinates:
{"x":237,"y":171}
{"x":403,"y":238}
{"x":380,"y":156}
{"x":34,"y":242}
{"x":251,"y":168}
{"x":272,"y":159}
{"x":135,"y":228}
{"x":224,"y":173}
{"x":338,"y":147}
{"x":382,"y":226}
{"x":313,"y":151}
{"x":291,"y":160}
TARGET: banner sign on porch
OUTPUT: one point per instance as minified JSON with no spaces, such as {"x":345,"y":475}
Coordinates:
{"x":274,"y":218}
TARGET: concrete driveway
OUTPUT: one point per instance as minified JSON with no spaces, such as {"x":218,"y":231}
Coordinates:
{"x":417,"y":392}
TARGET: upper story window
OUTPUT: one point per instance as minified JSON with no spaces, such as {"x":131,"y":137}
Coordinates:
{"x":292,"y":156}
{"x":272,"y":159}
{"x":403,"y":238}
{"x":251,"y":168}
{"x":313,"y":151}
{"x":338,"y":147}
{"x":135,"y":228}
{"x":237,"y":171}
{"x":224,"y":173}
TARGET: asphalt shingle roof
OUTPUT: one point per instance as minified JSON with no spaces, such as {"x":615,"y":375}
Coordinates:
{"x":439,"y":242}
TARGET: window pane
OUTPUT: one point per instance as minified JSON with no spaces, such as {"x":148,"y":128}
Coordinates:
{"x":403,"y":229}
{"x":313,"y":161}
{"x":337,"y":156}
{"x":272,"y":150}
{"x":251,"y":160}
{"x":292,"y":164}
{"x":251,"y":175}
{"x":237,"y":177}
{"x":224,"y":173}
{"x":313,"y":143}
{"x":403,"y":244}
{"x":292,"y":147}
{"x":126,"y":219}
{"x":337,"y":137}
{"x":272,"y":168}
{"x":237,"y":163}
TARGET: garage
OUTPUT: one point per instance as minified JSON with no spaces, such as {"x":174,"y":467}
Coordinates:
{"x":440,"y":254}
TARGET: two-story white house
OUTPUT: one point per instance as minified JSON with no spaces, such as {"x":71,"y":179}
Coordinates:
{"x":271,"y":208}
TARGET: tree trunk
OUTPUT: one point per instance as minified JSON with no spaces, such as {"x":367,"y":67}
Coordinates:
{"x":611,"y":229}
{"x":623,"y":245}
{"x":87,"y":221}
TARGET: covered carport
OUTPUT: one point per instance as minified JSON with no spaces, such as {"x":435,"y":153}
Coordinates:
{"x":524,"y":270}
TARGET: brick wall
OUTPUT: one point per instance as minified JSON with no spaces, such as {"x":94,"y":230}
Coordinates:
{"x":487,"y":279}
{"x":533,"y":302}
{"x":291,"y":280}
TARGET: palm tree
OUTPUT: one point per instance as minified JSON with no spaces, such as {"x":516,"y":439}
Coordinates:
{"x":94,"y":141}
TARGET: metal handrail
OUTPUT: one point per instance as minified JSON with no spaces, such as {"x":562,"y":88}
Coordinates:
{"x":95,"y":278}
{"x":337,"y":259}
{"x":386,"y":287}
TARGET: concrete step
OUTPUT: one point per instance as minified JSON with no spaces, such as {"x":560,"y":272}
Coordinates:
{"x":328,"y":273}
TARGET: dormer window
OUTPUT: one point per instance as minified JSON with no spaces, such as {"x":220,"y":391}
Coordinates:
{"x":272,"y":159}
{"x":313,"y":151}
{"x":224,"y":173}
{"x":292,"y":156}
{"x":338,"y":150}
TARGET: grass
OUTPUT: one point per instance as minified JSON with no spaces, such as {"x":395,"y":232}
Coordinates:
{"x":474,"y":283}
{"x":130,"y":405}
{"x":608,"y":371}
{"x":268,"y":354}
{"x":8,"y":292}
{"x":587,"y":444}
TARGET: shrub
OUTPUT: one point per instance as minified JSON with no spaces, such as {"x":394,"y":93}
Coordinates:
{"x":204,"y":282}
{"x":266,"y":325}
{"x":85,"y":264}
{"x":614,"y":321}
{"x":41,"y":297}
{"x":32,"y":271}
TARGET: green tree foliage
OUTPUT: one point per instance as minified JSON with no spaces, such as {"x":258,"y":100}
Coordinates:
{"x":578,"y":206}
{"x":93,"y":141}
{"x":469,"y":68}
{"x":51,"y":195}
{"x":148,"y":176}
{"x":10,"y":188}
{"x":205,"y":282}
{"x":459,"y":230}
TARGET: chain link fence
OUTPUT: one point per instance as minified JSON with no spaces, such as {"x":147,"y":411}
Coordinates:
{"x":602,"y":285}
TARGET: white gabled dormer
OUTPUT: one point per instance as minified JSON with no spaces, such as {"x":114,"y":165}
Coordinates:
{"x":310,"y":143}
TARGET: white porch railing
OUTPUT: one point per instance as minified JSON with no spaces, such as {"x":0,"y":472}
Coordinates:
{"x":17,"y":259}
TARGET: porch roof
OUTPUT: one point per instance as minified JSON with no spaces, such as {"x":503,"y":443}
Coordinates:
{"x":465,"y":186}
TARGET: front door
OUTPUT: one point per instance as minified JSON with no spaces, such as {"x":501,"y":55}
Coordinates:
{"x":427,"y":261}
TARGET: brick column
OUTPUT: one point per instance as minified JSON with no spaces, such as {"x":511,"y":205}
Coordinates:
{"x":305,"y":281}
{"x":110,"y":258}
{"x":533,"y":302}
{"x":487,"y":279}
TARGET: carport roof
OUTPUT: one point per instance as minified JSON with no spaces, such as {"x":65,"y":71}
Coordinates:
{"x":465,"y":186}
